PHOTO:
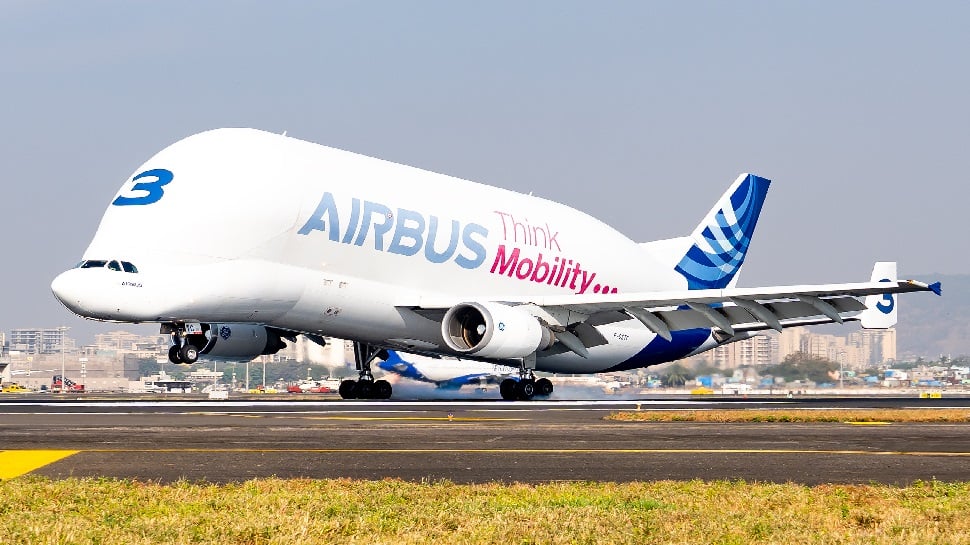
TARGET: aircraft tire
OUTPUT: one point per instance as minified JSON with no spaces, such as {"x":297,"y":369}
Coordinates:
{"x":507,"y":389}
{"x":347,"y":388}
{"x":173,"y":354}
{"x":543,"y":387}
{"x":382,"y":389}
{"x":525,"y":389}
{"x":364,"y":389}
{"x":189,"y":354}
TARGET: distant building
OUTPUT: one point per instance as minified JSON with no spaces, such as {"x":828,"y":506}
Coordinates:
{"x":757,"y":350}
{"x":334,"y":355}
{"x":860,"y":349}
{"x":41,"y":341}
{"x":124,"y":343}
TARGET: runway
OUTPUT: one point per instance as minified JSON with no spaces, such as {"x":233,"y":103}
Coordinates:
{"x":461,"y":441}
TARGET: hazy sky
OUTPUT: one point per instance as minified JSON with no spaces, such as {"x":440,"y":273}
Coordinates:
{"x":639,"y":113}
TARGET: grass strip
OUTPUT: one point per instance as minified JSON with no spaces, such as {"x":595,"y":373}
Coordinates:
{"x":269,"y":511}
{"x":796,"y":415}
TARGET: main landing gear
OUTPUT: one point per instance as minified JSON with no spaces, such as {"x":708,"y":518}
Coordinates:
{"x":527,"y":387}
{"x":185,"y":350}
{"x":365,"y":387}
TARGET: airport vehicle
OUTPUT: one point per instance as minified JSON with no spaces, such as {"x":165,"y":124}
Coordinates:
{"x":267,"y":237}
{"x":447,"y":373}
{"x":14,"y":388}
{"x":323,"y":386}
{"x":69,"y":385}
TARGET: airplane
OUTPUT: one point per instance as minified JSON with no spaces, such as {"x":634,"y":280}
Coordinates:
{"x":235,"y":239}
{"x":448,"y":373}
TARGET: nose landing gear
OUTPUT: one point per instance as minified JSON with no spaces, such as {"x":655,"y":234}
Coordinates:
{"x":186,"y":347}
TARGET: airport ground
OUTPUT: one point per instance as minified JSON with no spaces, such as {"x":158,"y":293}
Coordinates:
{"x":467,"y":441}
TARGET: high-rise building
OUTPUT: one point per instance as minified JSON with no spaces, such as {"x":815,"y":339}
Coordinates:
{"x":757,"y":350}
{"x":41,"y":341}
{"x":859,"y":349}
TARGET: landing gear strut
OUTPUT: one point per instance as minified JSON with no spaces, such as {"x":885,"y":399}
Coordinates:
{"x":365,"y":387}
{"x":184,"y":350}
{"x":527,"y":387}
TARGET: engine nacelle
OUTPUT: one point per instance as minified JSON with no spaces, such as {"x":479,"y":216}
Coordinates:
{"x":494,"y":330}
{"x":240,"y":342}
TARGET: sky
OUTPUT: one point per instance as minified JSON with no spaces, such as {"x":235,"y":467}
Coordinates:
{"x":639,"y":113}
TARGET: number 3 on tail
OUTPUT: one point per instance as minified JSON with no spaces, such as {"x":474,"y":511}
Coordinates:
{"x":887,"y":303}
{"x":154,"y":188}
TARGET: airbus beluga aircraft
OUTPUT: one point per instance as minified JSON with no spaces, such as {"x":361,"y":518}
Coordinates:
{"x":299,"y":238}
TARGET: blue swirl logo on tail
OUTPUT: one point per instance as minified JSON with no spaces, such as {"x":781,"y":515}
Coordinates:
{"x":721,"y":242}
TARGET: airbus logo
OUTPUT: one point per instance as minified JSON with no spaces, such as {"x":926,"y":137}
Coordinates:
{"x":404,"y":232}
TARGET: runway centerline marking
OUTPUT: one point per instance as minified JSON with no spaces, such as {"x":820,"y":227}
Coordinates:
{"x":14,"y":463}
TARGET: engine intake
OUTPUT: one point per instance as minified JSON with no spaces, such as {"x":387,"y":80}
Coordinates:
{"x":241,"y":342}
{"x":494,"y":330}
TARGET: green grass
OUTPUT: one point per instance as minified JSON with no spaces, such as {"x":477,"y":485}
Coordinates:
{"x":102,"y":511}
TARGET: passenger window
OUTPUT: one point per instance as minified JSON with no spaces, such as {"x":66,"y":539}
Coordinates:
{"x":129,"y":267}
{"x":114,"y":266}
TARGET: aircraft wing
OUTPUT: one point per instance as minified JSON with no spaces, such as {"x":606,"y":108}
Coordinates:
{"x":731,"y":309}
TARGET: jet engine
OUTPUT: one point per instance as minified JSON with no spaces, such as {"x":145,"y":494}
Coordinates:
{"x":241,"y":342}
{"x":494,"y":330}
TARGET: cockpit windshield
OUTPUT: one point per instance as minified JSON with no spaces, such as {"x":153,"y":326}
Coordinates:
{"x":113,"y":265}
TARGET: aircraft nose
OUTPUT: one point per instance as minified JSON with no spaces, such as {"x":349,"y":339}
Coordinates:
{"x":67,"y":290}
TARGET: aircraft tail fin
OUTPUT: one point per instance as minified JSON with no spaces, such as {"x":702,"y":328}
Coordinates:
{"x":721,"y":240}
{"x":880,"y":312}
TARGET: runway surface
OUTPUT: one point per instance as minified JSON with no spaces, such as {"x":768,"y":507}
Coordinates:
{"x":462,"y":441}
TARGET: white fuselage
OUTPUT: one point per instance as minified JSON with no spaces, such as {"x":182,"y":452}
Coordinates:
{"x":244,"y":226}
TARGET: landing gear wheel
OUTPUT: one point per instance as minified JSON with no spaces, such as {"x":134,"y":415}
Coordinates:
{"x":346,"y":389}
{"x":507,"y":389}
{"x":189,"y":354}
{"x":382,"y":389}
{"x":543,"y":387}
{"x":173,"y":355}
{"x":364,"y":389}
{"x":525,"y":389}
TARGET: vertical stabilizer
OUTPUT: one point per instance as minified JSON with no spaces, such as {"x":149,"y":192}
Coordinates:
{"x":881,"y":309}
{"x":721,"y":240}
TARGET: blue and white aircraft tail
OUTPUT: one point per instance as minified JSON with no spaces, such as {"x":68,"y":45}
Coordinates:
{"x":322,"y":242}
{"x":712,"y":255}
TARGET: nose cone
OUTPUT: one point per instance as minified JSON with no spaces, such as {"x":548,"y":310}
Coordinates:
{"x":66,"y":290}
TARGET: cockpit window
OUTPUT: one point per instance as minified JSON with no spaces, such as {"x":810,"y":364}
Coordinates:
{"x":113,"y":265}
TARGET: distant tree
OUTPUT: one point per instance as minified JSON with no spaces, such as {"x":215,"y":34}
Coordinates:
{"x":147,"y":367}
{"x":675,"y":375}
{"x":706,"y":368}
{"x":802,"y":366}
